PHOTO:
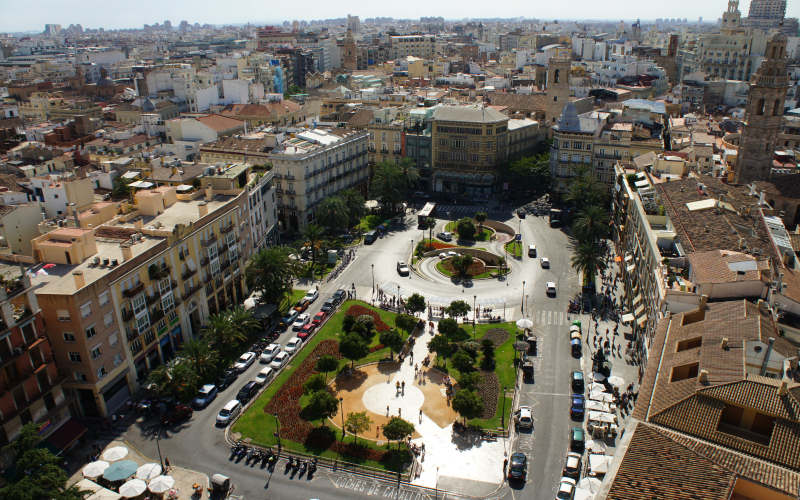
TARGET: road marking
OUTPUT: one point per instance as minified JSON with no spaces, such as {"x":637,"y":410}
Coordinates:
{"x":545,"y":394}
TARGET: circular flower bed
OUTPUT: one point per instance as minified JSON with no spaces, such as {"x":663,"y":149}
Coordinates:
{"x":477,"y":267}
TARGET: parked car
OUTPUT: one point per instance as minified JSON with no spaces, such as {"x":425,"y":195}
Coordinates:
{"x":247,"y":391}
{"x":205,"y":395}
{"x":293,"y":344}
{"x":532,"y":251}
{"x":339,"y":295}
{"x":301,"y":321}
{"x":178,"y":414}
{"x":550,"y":288}
{"x":302,"y":305}
{"x":329,"y":305}
{"x":518,"y":467}
{"x":577,"y":381}
{"x":572,"y":468}
{"x":566,"y":489}
{"x":244,"y":361}
{"x":306,"y":331}
{"x":545,"y":263}
{"x":311,"y":295}
{"x":576,"y":439}
{"x":370,"y":237}
{"x":288,"y":319}
{"x":445,"y":236}
{"x":270,"y":352}
{"x":264,"y":376}
{"x":402,"y":268}
{"x":525,"y":417}
{"x":319,"y":318}
{"x":227,"y":378}
{"x":228,"y":412}
{"x":278,"y":361}
{"x":521,"y":213}
{"x":578,"y":407}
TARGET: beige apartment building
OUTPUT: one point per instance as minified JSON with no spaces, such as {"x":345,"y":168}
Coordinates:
{"x":386,"y":142}
{"x":422,"y":46}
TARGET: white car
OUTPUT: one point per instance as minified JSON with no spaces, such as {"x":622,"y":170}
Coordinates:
{"x":452,"y":254}
{"x":550,"y":287}
{"x":573,"y":466}
{"x":293,"y":344}
{"x":311,"y":295}
{"x":445,"y":236}
{"x":525,"y":417}
{"x":229,"y":412}
{"x":278,"y":361}
{"x":545,"y":263}
{"x":402,"y":269}
{"x":244,"y":361}
{"x":566,"y":489}
{"x":270,"y":352}
{"x":301,"y":321}
{"x":264,"y":375}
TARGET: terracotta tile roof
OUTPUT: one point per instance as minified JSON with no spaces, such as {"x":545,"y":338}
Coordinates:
{"x":758,"y":392}
{"x":714,"y":266}
{"x":658,"y":467}
{"x":525,"y":103}
{"x":220,"y":123}
{"x":361,"y":118}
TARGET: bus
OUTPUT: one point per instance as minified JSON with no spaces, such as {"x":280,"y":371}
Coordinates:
{"x":427,"y":211}
{"x":556,"y":216}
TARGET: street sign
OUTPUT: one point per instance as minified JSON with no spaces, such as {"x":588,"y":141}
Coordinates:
{"x":518,"y":237}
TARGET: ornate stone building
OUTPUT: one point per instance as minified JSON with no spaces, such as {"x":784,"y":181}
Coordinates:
{"x":349,"y":53}
{"x":557,"y":88}
{"x":764,"y":113}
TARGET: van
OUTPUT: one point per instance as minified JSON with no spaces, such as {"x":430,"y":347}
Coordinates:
{"x":229,"y":412}
{"x":249,"y":390}
{"x":531,"y":250}
{"x":370,"y":237}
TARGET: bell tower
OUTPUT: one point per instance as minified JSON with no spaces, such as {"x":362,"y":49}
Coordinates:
{"x":557,"y":88}
{"x":764,"y":114}
{"x":349,"y":58}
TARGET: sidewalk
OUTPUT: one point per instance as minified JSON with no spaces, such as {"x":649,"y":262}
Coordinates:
{"x":184,"y":478}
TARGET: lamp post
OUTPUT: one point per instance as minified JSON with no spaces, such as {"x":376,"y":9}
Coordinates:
{"x":526,"y":305}
{"x":474,"y":315}
{"x":278,"y":432}
{"x":158,"y":446}
{"x":373,"y":282}
{"x":522,"y":305}
{"x":436,"y":485}
{"x":341,"y":410}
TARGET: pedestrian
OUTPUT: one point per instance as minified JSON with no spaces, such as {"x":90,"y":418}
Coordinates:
{"x":387,"y":411}
{"x":403,"y":385}
{"x":505,"y":465}
{"x":420,"y":415}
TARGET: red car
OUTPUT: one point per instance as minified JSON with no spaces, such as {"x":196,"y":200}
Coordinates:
{"x":307,"y":330}
{"x":318,"y":318}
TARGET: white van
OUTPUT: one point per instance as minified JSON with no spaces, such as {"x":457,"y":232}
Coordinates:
{"x":229,"y":412}
{"x":531,"y":250}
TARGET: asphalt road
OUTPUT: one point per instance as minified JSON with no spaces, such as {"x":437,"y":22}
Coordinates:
{"x":199,"y":444}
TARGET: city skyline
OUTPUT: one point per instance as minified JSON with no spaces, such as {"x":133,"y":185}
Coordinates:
{"x":93,"y":13}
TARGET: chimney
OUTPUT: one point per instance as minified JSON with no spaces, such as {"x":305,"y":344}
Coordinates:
{"x":703,"y":302}
{"x":80,"y":282}
{"x":703,"y":377}
{"x":209,"y":193}
{"x":783,"y":390}
{"x":725,"y":343}
{"x":202,"y":209}
{"x":127,"y":251}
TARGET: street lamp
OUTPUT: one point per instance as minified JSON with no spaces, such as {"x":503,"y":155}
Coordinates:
{"x":522,"y":305}
{"x":436,"y":485}
{"x":474,"y":315}
{"x":341,"y":406}
{"x":526,"y":305}
{"x":278,"y":432}
{"x":373,"y":280}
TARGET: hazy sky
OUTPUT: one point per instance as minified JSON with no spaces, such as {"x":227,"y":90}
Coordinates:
{"x":33,"y":14}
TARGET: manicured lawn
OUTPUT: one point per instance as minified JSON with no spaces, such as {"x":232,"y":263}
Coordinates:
{"x":484,"y":235}
{"x":369,"y":222}
{"x":442,"y":269}
{"x":260,"y":426}
{"x":514,"y":248}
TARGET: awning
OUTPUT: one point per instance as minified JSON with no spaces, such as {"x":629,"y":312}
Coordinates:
{"x":66,"y":436}
{"x":184,"y":188}
{"x":639,"y":311}
{"x":141,"y":185}
{"x":628,"y":318}
{"x":641,"y":321}
{"x":637,"y":299}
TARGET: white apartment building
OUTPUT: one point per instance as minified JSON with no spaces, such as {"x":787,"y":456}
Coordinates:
{"x":315,"y":164}
{"x":263,"y":211}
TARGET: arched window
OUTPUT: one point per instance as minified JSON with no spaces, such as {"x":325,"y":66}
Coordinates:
{"x":760,"y":107}
{"x":556,"y":75}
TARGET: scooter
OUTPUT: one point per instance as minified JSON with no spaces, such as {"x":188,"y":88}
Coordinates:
{"x":303,"y":468}
{"x":265,"y":457}
{"x":289,"y":465}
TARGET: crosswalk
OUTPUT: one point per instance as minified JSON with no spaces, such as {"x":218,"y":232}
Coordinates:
{"x":544,"y":317}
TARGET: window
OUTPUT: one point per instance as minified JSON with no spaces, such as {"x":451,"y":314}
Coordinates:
{"x":139,"y":304}
{"x":63,"y":315}
{"x":685,"y":372}
{"x":75,"y":357}
{"x":103,"y":298}
{"x":80,"y":377}
{"x":685,"y":345}
{"x":69,"y":337}
{"x":167,"y":302}
{"x":112,"y":339}
{"x":101,"y":372}
{"x":108,"y":318}
{"x":86,"y":309}
{"x":90,"y":332}
{"x":117,"y":359}
{"x":142,"y":323}
{"x":96,"y":352}
{"x":746,"y":423}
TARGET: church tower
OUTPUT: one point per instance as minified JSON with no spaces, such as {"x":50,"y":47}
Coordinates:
{"x":732,"y":18}
{"x":557,"y":88}
{"x":763,"y":114}
{"x":349,"y":58}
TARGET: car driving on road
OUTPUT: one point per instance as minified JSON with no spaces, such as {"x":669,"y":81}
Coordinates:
{"x":550,"y":288}
{"x":545,"y":263}
{"x":228,"y":412}
{"x":402,"y":268}
{"x":518,"y":467}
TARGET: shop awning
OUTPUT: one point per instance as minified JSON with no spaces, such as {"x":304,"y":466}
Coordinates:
{"x":66,"y":436}
{"x":639,"y":311}
{"x":641,"y":321}
{"x":628,"y":318}
{"x":637,"y":299}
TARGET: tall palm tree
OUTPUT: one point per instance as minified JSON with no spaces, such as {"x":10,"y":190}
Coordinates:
{"x":588,"y":261}
{"x":243,"y":320}
{"x":591,"y":224}
{"x":313,"y":233}
{"x":201,"y":356}
{"x":222,"y":334}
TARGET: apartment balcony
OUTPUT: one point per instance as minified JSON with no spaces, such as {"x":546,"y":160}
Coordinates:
{"x":156,"y":273}
{"x":151,"y":299}
{"x":209,"y":288}
{"x":211,"y":239}
{"x":193,"y":290}
{"x":131,"y":334}
{"x":204,"y":260}
{"x":226,"y":229}
{"x":188,"y":274}
{"x":289,"y":177}
{"x":126,"y":314}
{"x":131,"y":292}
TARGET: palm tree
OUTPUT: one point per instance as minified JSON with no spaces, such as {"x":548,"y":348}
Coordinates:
{"x":313,"y":233}
{"x":244,"y":321}
{"x":591,"y":224}
{"x":587,"y":260}
{"x":201,"y":355}
{"x":223,"y":334}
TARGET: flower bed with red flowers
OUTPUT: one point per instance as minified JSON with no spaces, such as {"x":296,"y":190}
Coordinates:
{"x":477,"y":267}
{"x":376,"y":347}
{"x":438,"y":245}
{"x":358,"y":310}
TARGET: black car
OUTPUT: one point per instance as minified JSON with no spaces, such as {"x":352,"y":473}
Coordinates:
{"x":339,"y":295}
{"x":329,"y":305}
{"x":518,"y":467}
{"x":227,"y":378}
{"x":249,"y":390}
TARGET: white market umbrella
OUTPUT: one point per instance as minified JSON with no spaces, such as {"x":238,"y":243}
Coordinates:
{"x":598,"y":377}
{"x":132,"y":488}
{"x":597,"y":387}
{"x":161,"y":484}
{"x":148,"y":471}
{"x":616,"y":381}
{"x":591,"y":484}
{"x":596,"y":446}
{"x":524,"y":324}
{"x":95,"y":469}
{"x":115,"y":453}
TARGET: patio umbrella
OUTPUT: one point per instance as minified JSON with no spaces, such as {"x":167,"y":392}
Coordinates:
{"x":596,"y":446}
{"x":120,"y":470}
{"x":524,"y":324}
{"x":616,"y":381}
{"x":115,"y":453}
{"x":132,"y":488}
{"x":148,"y":471}
{"x":596,"y":386}
{"x":591,"y":484}
{"x":598,"y":377}
{"x":48,"y":266}
{"x":161,"y":484}
{"x":95,"y":469}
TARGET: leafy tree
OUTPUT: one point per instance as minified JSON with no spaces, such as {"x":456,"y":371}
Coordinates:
{"x":588,"y":261}
{"x":441,"y":346}
{"x":35,"y":472}
{"x":321,"y":405}
{"x":533,"y":171}
{"x":586,"y":190}
{"x":121,"y":188}
{"x":405,"y":322}
{"x":393,"y":340}
{"x":461,"y":264}
{"x":458,"y":309}
{"x":315,"y":383}
{"x":415,"y":303}
{"x":243,"y":321}
{"x":468,"y":404}
{"x":450,"y":329}
{"x":397,"y":429}
{"x":353,"y":348}
{"x":333,"y":214}
{"x":203,"y":358}
{"x":313,"y":234}
{"x":357,"y":423}
{"x":465,"y":229}
{"x":177,"y":379}
{"x":463,"y":362}
{"x":222,"y":334}
{"x":354,"y":202}
{"x":364,"y":326}
{"x":591,"y":224}
{"x":481,"y":218}
{"x":487,"y":363}
{"x":271,"y":273}
{"x":469,"y":380}
{"x":327,"y":363}
{"x":348,"y":322}
{"x":391,"y":183}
